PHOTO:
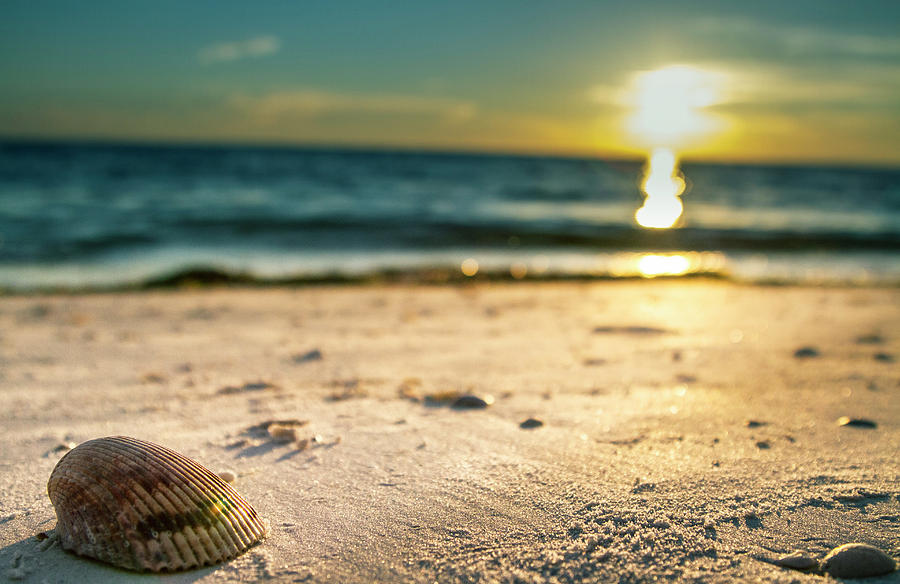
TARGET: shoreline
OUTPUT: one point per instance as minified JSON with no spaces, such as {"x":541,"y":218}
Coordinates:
{"x":212,"y":278}
{"x":685,"y":434}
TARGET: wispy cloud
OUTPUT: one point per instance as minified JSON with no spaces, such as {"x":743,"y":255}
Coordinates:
{"x":232,"y":51}
{"x":778,"y":87}
{"x":794,"y":40}
{"x":311,"y":103}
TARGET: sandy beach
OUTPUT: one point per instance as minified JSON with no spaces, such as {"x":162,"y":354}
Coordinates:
{"x":689,"y":428}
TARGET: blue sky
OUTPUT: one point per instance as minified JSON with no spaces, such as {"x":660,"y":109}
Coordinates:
{"x":800,"y":80}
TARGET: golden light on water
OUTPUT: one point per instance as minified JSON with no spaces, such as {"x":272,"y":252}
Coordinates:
{"x":469,"y":267}
{"x":652,"y":265}
{"x":663,"y":184}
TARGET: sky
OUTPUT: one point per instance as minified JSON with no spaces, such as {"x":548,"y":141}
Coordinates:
{"x":798,"y":81}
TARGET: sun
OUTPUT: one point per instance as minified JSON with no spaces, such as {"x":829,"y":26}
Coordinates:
{"x":669,"y":105}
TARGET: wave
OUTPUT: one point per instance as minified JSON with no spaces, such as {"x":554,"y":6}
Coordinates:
{"x":333,"y":234}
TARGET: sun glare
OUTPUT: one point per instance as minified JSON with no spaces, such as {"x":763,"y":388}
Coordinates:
{"x":668,"y":106}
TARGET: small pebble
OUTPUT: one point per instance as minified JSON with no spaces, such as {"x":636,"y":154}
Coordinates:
{"x":763,"y":445}
{"x":280,"y":433}
{"x":314,"y":355}
{"x":857,"y":560}
{"x":251,"y":386}
{"x":472,"y":402}
{"x":806,"y":352}
{"x":531,"y":423}
{"x":48,"y":541}
{"x":229,"y":476}
{"x":797,"y":561}
{"x":856,"y":422}
{"x":755,"y":423}
{"x":884,"y":357}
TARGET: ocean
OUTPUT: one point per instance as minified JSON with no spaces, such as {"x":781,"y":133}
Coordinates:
{"x":95,"y":216}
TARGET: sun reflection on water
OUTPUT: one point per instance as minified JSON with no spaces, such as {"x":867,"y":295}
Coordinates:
{"x":663,"y":184}
{"x":652,"y":265}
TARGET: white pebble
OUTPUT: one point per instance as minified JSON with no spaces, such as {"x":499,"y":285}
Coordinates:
{"x":228,"y":476}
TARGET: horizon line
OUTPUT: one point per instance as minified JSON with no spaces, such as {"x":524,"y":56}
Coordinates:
{"x":616,"y":157}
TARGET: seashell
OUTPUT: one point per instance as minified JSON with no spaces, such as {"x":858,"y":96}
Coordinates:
{"x":857,"y":560}
{"x":140,"y":506}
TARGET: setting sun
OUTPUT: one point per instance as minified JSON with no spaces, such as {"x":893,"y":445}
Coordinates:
{"x":669,"y":105}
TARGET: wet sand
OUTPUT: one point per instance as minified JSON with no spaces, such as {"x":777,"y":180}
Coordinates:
{"x":690,"y":429}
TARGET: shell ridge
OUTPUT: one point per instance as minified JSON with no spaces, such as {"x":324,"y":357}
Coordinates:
{"x":152,"y":523}
{"x":186,"y":499}
{"x":189,"y":497}
{"x":226,"y":497}
{"x":237,"y":534}
{"x":214,"y":539}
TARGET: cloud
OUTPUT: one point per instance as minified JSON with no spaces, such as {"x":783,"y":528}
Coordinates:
{"x":311,"y":103}
{"x":788,"y":88}
{"x":223,"y":52}
{"x":801,"y":41}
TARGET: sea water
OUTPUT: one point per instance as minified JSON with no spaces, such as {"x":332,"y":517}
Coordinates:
{"x":99,"y":215}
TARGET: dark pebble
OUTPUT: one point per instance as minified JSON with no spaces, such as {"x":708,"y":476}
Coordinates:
{"x":314,"y":355}
{"x":806,"y":352}
{"x":884,"y":357}
{"x":469,"y":402}
{"x":755,"y":423}
{"x":630,"y":330}
{"x":856,"y":422}
{"x":763,"y":445}
{"x":531,"y":423}
{"x":252,"y":386}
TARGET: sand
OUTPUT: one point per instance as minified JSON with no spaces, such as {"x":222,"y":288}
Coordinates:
{"x":682,"y":439}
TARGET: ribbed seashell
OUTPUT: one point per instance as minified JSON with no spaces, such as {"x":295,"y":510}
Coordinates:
{"x":141,"y":506}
